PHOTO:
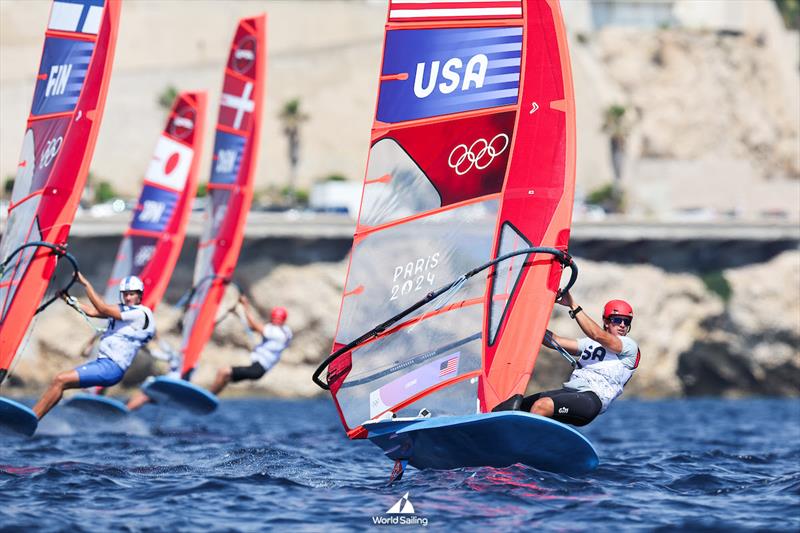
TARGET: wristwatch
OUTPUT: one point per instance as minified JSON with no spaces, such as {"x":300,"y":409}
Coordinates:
{"x":573,"y":312}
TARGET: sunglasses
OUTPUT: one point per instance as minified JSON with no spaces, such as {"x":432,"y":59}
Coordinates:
{"x":617,"y":320}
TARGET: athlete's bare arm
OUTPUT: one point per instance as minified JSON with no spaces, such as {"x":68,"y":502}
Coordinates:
{"x":570,"y":345}
{"x":591,"y":328}
{"x":252,"y":320}
{"x":101,"y":308}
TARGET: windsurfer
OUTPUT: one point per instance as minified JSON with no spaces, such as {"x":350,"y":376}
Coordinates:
{"x":606,"y":359}
{"x":276,"y":336}
{"x":130,"y":327}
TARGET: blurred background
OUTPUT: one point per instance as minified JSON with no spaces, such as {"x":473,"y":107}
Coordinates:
{"x":688,"y":176}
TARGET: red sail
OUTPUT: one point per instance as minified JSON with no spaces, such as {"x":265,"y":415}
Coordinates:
{"x":230,"y":189}
{"x":61,"y":131}
{"x":153,"y":241}
{"x":472,"y":157}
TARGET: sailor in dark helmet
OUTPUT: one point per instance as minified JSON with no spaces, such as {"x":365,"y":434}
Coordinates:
{"x":606,"y":359}
{"x":130,"y":326}
{"x":275,"y":337}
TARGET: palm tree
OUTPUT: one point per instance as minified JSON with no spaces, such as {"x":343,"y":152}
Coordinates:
{"x":292,"y":118}
{"x":617,"y":128}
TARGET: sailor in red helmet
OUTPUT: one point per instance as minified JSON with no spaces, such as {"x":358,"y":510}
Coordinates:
{"x":606,"y":359}
{"x":276,"y":336}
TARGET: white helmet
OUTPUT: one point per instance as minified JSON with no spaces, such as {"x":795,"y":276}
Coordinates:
{"x":131,"y":283}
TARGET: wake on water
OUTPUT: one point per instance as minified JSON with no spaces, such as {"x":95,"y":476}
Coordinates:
{"x":259,"y":464}
{"x":67,"y":421}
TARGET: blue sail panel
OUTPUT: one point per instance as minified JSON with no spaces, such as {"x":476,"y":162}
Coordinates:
{"x":435,"y":72}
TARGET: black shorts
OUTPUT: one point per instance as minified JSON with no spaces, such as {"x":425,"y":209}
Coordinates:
{"x":254,"y":371}
{"x":571,"y":407}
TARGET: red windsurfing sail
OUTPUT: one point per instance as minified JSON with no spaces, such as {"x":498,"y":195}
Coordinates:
{"x":230,"y":189}
{"x":471,"y":161}
{"x":152,"y":243}
{"x":57,"y":148}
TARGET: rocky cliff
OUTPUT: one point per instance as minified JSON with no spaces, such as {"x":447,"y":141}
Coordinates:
{"x":702,"y":94}
{"x":735,"y":333}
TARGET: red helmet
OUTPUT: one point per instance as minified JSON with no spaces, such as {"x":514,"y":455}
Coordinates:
{"x":278,"y":315}
{"x":618,"y":308}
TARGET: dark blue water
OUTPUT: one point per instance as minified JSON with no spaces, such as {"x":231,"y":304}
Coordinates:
{"x":257,"y":465}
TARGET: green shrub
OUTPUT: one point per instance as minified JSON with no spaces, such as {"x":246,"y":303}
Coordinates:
{"x":790,"y":11}
{"x":167,"y":97}
{"x":104,"y":192}
{"x":601,"y":195}
{"x":295,"y":196}
{"x":715,"y":282}
{"x":607,"y":197}
{"x":301,"y":196}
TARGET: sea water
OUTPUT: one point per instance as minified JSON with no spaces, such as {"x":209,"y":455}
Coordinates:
{"x":258,"y":465}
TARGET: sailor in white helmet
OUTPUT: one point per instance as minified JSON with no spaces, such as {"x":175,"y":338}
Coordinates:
{"x":130,"y":327}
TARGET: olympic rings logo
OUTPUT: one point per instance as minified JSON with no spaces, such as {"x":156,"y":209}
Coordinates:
{"x":479,"y":154}
{"x":50,"y":152}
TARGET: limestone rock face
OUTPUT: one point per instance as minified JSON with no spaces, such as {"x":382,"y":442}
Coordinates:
{"x":701,"y":94}
{"x":751,"y":348}
{"x":668,"y":312}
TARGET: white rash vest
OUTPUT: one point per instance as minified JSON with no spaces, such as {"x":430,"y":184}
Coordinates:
{"x":603,"y":371}
{"x":123,"y":338}
{"x":275,"y":340}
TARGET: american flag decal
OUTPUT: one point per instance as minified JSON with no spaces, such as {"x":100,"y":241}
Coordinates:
{"x":418,"y":10}
{"x":448,"y":367}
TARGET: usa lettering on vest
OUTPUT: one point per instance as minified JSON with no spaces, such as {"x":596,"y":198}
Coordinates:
{"x":474,"y":72}
{"x":57,"y":81}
